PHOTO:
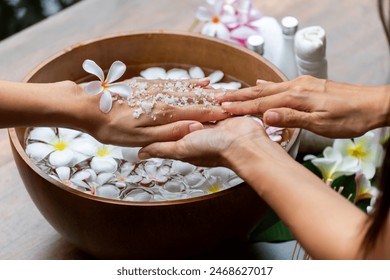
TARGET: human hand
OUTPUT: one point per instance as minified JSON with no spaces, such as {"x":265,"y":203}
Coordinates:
{"x":324,"y":107}
{"x":215,"y":145}
{"x":161,"y":120}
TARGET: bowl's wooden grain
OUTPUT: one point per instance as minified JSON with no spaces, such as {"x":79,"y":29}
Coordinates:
{"x":143,"y":230}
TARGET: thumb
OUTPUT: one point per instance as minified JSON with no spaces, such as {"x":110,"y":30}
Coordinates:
{"x":286,"y":117}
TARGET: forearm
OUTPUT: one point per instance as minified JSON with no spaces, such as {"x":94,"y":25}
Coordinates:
{"x":326,"y":224}
{"x":52,"y":104}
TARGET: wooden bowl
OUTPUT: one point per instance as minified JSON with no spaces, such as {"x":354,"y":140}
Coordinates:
{"x":115,"y":229}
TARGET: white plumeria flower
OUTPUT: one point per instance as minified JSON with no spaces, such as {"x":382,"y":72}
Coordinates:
{"x":333,"y":164}
{"x":105,"y":159}
{"x":215,"y":20}
{"x":364,"y":190}
{"x":106,"y":86}
{"x":365,"y":149}
{"x":64,"y":148}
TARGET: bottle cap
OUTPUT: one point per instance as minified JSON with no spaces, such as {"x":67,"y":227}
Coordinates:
{"x":255,"y":43}
{"x":289,"y":25}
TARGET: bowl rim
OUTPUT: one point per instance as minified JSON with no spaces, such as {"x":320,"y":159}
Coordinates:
{"x":14,"y":141}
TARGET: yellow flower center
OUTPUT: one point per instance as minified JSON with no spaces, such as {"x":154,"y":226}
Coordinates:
{"x":60,"y":145}
{"x":214,"y":189}
{"x":357,"y":152}
{"x":103,"y":151}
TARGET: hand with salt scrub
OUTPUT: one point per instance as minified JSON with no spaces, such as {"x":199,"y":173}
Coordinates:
{"x":65,"y":104}
{"x":326,"y":224}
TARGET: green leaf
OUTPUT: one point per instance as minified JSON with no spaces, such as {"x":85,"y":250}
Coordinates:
{"x":349,"y":186}
{"x":270,"y":229}
{"x":276,"y":233}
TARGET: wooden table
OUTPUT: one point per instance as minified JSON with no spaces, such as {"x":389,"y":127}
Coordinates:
{"x":357,"y":53}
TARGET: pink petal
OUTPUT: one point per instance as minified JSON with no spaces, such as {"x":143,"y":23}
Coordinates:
{"x":93,"y":88}
{"x":91,"y":67}
{"x":203,"y":14}
{"x":121,"y":89}
{"x":105,"y":102}
{"x":116,"y":71}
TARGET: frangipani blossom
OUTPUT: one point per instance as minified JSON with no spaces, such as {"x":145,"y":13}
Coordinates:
{"x":64,"y":148}
{"x":364,"y":190}
{"x":105,"y":86}
{"x":215,"y":20}
{"x":364,"y":149}
{"x":106,"y":158}
{"x":333,"y":164}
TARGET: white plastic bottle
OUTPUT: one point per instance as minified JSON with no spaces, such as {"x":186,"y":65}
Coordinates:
{"x":286,"y":61}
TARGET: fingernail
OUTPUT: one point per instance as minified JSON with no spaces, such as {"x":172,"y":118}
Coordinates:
{"x":195,"y":126}
{"x":143,"y":155}
{"x":226,"y":104}
{"x":203,"y":80}
{"x":271,"y":117}
{"x":261,"y":82}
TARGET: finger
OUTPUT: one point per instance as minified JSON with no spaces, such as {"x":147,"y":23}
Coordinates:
{"x":286,"y":117}
{"x":159,"y":150}
{"x":261,"y":90}
{"x":167,"y":132}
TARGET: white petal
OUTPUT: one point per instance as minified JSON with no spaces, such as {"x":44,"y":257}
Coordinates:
{"x":333,"y":154}
{"x":105,"y":104}
{"x":134,"y":179}
{"x":61,"y":158}
{"x":228,"y":19}
{"x":177,"y":74}
{"x":203,"y":14}
{"x":84,"y":146}
{"x":231,"y":85}
{"x":38,"y":151}
{"x":216,"y":76}
{"x":121,"y":89}
{"x":309,"y":157}
{"x":174,"y":186}
{"x":81,"y":175}
{"x":182,"y":168}
{"x":131,"y":154}
{"x":368,"y":169}
{"x":103,"y":178}
{"x":115,"y":151}
{"x":196,"y":72}
{"x":108,"y":191}
{"x":93,"y":88}
{"x":68,"y":134}
{"x":91,"y":67}
{"x":275,"y":138}
{"x":222,"y":32}
{"x":242,"y":33}
{"x":209,"y":29}
{"x":43,"y":134}
{"x":234,"y":181}
{"x":343,"y":145}
{"x":194,"y":180}
{"x":153,"y":73}
{"x":170,"y":195}
{"x":63,"y":173}
{"x":220,"y":172}
{"x":104,"y":164}
{"x":126,"y":168}
{"x":116,"y":71}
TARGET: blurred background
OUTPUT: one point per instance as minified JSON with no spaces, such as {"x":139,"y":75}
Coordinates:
{"x":16,"y":15}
